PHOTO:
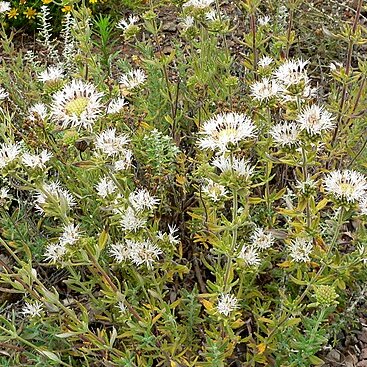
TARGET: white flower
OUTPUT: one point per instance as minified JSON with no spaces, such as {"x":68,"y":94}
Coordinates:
{"x":145,"y":253}
{"x":51,"y":194}
{"x":140,"y":200}
{"x":105,"y":187}
{"x":225,"y":129}
{"x":125,"y":24}
{"x":8,"y":153}
{"x":265,"y":61}
{"x":213,"y":16}
{"x":250,"y":256}
{"x":198,"y":4}
{"x":286,"y":133}
{"x":52,"y":73}
{"x":36,"y":160}
{"x":172,"y":238}
{"x":116,"y":105}
{"x":292,"y":72}
{"x":3,"y":94}
{"x":362,"y":204}
{"x":214,"y":190}
{"x":300,"y":249}
{"x":334,"y":66}
{"x":346,"y":185}
{"x":226,"y":304}
{"x":133,"y":79}
{"x":120,"y":252}
{"x":4,"y":193}
{"x":138,"y":252}
{"x":265,"y":89}
{"x":124,"y":162}
{"x":38,"y":111}
{"x":239,"y":166}
{"x":55,"y":252}
{"x":32,"y":309}
{"x":131,"y":220}
{"x":264,"y":20}
{"x":315,"y":120}
{"x":76,"y":105}
{"x":122,"y":308}
{"x":261,"y":240}
{"x":306,"y":187}
{"x":4,"y":7}
{"x":70,"y":235}
{"x":187,"y":23}
{"x":111,"y":144}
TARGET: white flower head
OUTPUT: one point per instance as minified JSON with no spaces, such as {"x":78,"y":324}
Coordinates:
{"x":51,"y":194}
{"x":36,"y":160}
{"x":315,"y":120}
{"x":116,"y":105}
{"x":226,"y":129}
{"x":265,"y":61}
{"x":198,"y":4}
{"x":125,"y":24}
{"x":213,"y":190}
{"x":241,"y":167}
{"x":265,"y":89}
{"x":141,"y":200}
{"x":264,"y":20}
{"x":52,"y":73}
{"x":292,"y":72}
{"x":132,"y":220}
{"x":226,"y":304}
{"x":8,"y":153}
{"x":362,"y":204}
{"x":336,"y":65}
{"x":32,"y":309}
{"x":55,"y":252}
{"x":105,"y":187}
{"x":3,"y":93}
{"x":5,"y":6}
{"x":124,"y":161}
{"x":250,"y":255}
{"x":300,"y":249}
{"x":187,"y":22}
{"x":4,"y":194}
{"x":70,"y":235}
{"x":38,"y":112}
{"x":285,"y":134}
{"x":138,"y":252}
{"x":111,"y":144}
{"x":347,"y":185}
{"x":78,"y":104}
{"x":133,"y":79}
{"x":261,"y":239}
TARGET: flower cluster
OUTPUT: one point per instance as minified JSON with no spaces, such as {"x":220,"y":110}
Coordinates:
{"x":138,"y":252}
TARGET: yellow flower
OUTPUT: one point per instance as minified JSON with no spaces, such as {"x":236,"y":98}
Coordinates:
{"x":13,"y":13}
{"x":93,"y":1}
{"x":30,"y":13}
{"x":46,"y":2}
{"x":67,"y":9}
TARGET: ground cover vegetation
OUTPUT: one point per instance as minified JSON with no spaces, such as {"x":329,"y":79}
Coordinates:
{"x":183,"y":185}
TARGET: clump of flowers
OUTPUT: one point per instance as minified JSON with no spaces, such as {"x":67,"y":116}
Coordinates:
{"x":138,"y":252}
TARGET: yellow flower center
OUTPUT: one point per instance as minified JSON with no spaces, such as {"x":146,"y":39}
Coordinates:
{"x":76,"y":106}
{"x":346,"y":188}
